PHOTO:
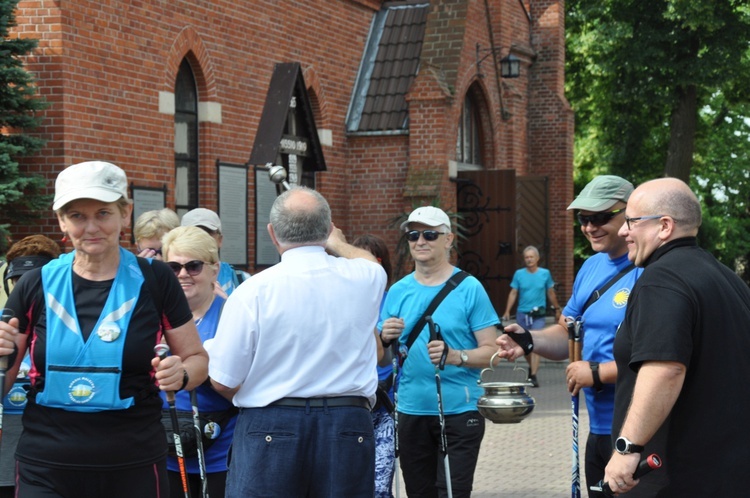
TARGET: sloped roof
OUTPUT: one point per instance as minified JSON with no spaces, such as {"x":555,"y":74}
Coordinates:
{"x":389,"y":64}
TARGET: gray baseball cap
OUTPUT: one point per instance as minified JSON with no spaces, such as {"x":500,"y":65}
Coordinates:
{"x":202,"y":217}
{"x":602,"y":193}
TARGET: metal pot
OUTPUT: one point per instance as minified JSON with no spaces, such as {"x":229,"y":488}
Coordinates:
{"x":504,"y":402}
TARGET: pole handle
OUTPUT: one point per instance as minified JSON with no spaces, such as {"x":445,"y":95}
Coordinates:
{"x":651,"y":462}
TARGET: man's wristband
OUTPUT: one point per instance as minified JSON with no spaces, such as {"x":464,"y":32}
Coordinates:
{"x":598,"y":386}
{"x":524,"y":340}
{"x":386,"y":344}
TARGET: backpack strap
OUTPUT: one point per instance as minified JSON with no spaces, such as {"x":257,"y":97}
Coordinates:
{"x":451,"y":284}
{"x":612,"y":281}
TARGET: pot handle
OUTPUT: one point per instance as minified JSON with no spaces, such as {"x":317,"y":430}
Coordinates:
{"x":491,"y":367}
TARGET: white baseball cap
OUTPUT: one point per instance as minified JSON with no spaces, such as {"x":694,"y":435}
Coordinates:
{"x":202,"y":217}
{"x":90,"y":180}
{"x":427,"y":215}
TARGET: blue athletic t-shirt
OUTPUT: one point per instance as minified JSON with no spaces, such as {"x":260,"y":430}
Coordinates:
{"x":532,"y":288}
{"x":600,"y":323}
{"x":467,"y":309}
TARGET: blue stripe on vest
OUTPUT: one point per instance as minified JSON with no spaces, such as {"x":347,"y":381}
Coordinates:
{"x":85,"y":376}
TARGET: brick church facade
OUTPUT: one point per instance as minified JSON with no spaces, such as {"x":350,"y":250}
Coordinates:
{"x":404,"y":103}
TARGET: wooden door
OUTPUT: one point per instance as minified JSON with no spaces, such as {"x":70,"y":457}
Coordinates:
{"x":487,"y":209}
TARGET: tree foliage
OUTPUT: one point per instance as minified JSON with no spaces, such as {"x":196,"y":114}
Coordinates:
{"x":660,"y":89}
{"x":20,"y":194}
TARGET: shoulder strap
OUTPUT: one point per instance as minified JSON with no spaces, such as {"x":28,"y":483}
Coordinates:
{"x":153,"y":286}
{"x":451,"y":284}
{"x":612,"y":281}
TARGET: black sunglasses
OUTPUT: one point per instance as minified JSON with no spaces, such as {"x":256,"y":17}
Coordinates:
{"x":597,"y":219}
{"x":429,"y":235}
{"x":193,"y":267}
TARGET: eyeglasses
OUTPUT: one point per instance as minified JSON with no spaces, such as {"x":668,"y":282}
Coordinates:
{"x":429,"y":235}
{"x":628,"y":220}
{"x":193,"y":267}
{"x":597,"y":219}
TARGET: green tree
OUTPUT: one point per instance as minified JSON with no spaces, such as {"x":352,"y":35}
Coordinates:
{"x":660,"y":89}
{"x":20,"y":194}
{"x":639,"y":72}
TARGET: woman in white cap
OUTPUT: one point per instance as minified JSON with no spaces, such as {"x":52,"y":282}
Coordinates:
{"x":92,"y":318}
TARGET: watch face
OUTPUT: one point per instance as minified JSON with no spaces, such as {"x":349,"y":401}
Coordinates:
{"x":464,"y":356}
{"x":621,"y":444}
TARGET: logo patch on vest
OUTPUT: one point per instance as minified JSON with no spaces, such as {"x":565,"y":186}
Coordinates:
{"x":81,"y":390}
{"x":620,"y":300}
{"x":17,"y":397}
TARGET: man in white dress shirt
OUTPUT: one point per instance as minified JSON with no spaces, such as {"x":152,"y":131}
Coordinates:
{"x":295,"y":351}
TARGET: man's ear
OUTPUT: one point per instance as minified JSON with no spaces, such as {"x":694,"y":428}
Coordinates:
{"x":667,"y":228}
{"x":271,"y":233}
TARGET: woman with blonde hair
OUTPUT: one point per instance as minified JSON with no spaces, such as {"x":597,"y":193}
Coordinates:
{"x":193,"y":255}
{"x":149,"y":229}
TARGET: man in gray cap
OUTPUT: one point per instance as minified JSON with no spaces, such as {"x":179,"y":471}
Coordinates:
{"x":600,"y":294}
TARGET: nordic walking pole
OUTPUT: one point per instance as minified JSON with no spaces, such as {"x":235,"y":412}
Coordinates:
{"x":435,"y":335}
{"x":574,"y":352}
{"x":651,"y":462}
{"x":7,"y":314}
{"x":394,"y":374}
{"x":161,"y":351}
{"x":199,"y":443}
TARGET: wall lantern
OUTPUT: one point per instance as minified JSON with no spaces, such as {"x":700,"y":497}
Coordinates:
{"x":510,"y":66}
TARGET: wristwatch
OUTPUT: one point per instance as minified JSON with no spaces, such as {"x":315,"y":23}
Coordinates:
{"x":625,"y":446}
{"x":464,"y":357}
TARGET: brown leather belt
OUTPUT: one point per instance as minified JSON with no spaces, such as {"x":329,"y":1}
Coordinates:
{"x":336,"y":401}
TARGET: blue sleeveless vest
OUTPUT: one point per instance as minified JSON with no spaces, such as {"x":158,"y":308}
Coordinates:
{"x":85,"y":376}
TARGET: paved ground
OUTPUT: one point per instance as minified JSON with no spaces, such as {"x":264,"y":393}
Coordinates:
{"x":532,"y":459}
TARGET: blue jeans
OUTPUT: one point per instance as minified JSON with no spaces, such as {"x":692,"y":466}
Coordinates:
{"x":302,"y":452}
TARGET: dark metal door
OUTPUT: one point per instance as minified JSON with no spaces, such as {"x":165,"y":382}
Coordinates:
{"x":487,"y":206}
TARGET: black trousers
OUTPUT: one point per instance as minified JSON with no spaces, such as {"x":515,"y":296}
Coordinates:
{"x":598,"y":452}
{"x":149,"y":481}
{"x":422,"y":463}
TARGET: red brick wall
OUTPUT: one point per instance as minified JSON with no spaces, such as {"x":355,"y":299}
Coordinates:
{"x":101,"y":65}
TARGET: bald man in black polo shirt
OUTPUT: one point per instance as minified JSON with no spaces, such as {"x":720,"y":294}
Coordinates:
{"x":682,"y":353}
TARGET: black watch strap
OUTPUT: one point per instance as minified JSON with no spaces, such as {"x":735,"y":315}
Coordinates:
{"x":598,"y":386}
{"x":625,"y":446}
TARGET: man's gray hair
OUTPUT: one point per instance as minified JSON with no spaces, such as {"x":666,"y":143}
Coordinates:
{"x":684,"y":207}
{"x":300,"y":225}
{"x":531,"y":249}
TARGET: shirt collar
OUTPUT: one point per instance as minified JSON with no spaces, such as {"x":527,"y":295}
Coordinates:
{"x":672,"y":244}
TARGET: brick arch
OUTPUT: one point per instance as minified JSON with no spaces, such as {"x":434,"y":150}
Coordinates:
{"x":477,"y":89}
{"x":317,"y":97}
{"x":188,"y":44}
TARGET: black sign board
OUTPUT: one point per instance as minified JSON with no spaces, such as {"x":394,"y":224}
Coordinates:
{"x":287,"y":91}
